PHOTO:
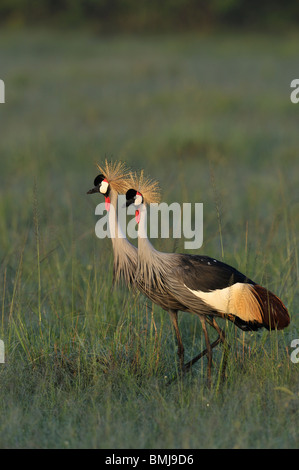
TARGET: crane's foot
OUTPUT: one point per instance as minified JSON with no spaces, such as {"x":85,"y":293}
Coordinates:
{"x":187,"y":367}
{"x":184,"y":368}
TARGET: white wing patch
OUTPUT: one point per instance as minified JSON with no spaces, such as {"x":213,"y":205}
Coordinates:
{"x":237,"y":299}
{"x":217,"y":299}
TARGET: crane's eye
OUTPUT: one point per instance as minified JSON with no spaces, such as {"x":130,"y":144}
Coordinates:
{"x":133,"y":197}
{"x":100,"y":185}
{"x":130,"y":197}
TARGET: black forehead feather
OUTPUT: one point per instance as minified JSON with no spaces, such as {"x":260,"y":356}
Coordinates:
{"x":98,"y":179}
{"x":130,"y":194}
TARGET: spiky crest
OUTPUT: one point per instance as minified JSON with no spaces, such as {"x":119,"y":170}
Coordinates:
{"x":146,"y":186}
{"x":117,"y":175}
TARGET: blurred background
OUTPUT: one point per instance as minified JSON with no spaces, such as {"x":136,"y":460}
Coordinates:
{"x":198,"y":94}
{"x":131,"y":16}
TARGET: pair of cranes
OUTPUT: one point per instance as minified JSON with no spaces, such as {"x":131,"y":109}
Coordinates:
{"x":182,"y":282}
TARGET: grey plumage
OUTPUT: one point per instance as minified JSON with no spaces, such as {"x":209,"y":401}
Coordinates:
{"x":162,"y":271}
{"x":124,"y":253}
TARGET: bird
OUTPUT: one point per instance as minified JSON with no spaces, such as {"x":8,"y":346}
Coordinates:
{"x":200,"y":284}
{"x":146,"y":279}
{"x":110,"y":182}
{"x":114,"y":179}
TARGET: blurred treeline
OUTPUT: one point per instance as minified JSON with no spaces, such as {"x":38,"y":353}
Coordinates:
{"x":151,"y":15}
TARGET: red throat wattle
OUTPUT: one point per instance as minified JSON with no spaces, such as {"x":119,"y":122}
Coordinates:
{"x":137,"y":216}
{"x":107,"y":203}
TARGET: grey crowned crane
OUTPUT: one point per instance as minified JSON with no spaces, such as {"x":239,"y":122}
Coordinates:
{"x":200,"y":284}
{"x":114,"y":179}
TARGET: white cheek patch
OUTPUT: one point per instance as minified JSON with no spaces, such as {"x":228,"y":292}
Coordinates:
{"x":104,"y":187}
{"x":138,"y":200}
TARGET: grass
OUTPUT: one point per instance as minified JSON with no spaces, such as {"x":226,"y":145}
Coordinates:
{"x":211,"y":118}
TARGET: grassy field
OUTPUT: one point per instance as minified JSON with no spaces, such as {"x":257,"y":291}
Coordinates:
{"x":211,"y":119}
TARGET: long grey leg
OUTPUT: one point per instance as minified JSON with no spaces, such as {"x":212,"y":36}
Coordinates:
{"x":209,"y":348}
{"x":221,"y":338}
{"x":174,"y":318}
{"x":221,"y":333}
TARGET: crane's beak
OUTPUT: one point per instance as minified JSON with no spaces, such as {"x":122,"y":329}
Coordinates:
{"x":93,"y":190}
